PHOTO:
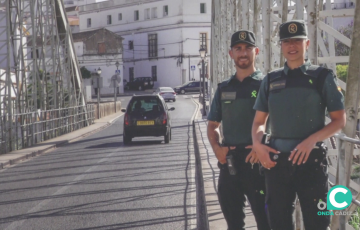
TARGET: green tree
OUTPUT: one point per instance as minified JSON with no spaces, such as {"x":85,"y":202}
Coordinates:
{"x":341,"y":72}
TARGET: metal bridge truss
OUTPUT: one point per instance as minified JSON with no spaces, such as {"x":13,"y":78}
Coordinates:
{"x":264,"y":17}
{"x":41,"y":93}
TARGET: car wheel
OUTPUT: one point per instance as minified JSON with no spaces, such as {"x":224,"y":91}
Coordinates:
{"x":126,"y":139}
{"x":174,"y":100}
{"x":140,"y":88}
{"x":182,"y":91}
{"x":167,"y":137}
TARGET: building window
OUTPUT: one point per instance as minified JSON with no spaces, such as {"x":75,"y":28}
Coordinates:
{"x":152,"y":38}
{"x":147,"y":13}
{"x":131,"y":45}
{"x":166,"y":11}
{"x":154,"y":12}
{"x":120,"y":16}
{"x":88,"y":22}
{"x":101,"y":48}
{"x":131,"y":73}
{"x":203,"y":41}
{"x":136,"y":15}
{"x":154,"y":73}
{"x":202,"y":8}
{"x":109,"y":19}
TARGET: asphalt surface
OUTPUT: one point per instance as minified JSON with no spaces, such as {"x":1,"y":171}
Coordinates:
{"x":97,"y":183}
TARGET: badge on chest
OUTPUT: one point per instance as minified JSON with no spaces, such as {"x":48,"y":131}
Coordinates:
{"x":277,"y":85}
{"x":228,"y":96}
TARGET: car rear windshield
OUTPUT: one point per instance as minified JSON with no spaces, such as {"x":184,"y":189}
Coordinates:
{"x":145,"y":105}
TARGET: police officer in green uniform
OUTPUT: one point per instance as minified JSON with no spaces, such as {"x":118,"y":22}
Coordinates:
{"x":295,"y":98}
{"x":233,"y":107}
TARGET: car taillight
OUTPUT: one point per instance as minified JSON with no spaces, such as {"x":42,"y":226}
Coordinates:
{"x":164,"y":118}
{"x":126,"y":120}
{"x":162,"y":93}
{"x":174,"y":93}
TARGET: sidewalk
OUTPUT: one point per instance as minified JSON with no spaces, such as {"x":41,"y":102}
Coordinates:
{"x":210,"y":173}
{"x":43,"y":147}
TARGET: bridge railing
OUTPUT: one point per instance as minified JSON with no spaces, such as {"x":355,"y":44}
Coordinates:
{"x":27,"y":129}
{"x":343,"y":174}
{"x":337,"y":169}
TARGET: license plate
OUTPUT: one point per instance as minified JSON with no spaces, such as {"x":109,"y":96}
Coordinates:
{"x":145,"y":122}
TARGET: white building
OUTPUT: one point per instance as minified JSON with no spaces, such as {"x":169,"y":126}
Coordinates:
{"x":68,"y":3}
{"x":101,"y":48}
{"x":162,"y":38}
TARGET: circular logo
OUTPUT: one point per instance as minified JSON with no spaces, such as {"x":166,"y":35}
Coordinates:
{"x":242,"y":35}
{"x":339,"y":197}
{"x":321,"y":205}
{"x":292,"y":28}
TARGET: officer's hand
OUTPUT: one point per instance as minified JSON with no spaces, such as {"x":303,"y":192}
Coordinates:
{"x":252,"y":157}
{"x":262,"y":152}
{"x":302,"y":151}
{"x":221,"y":153}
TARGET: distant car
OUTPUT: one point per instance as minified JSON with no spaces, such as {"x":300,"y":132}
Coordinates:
{"x":146,"y":115}
{"x":140,"y":83}
{"x":189,"y":87}
{"x":167,"y":93}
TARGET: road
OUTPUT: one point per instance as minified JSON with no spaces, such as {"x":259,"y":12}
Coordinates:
{"x":97,"y":183}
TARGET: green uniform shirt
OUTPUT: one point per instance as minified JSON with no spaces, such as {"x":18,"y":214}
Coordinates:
{"x":233,"y":106}
{"x":296,"y":108}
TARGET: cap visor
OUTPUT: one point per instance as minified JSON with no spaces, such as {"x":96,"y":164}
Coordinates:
{"x":243,"y":42}
{"x":300,"y":36}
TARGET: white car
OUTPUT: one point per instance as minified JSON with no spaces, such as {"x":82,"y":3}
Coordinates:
{"x":167,"y":93}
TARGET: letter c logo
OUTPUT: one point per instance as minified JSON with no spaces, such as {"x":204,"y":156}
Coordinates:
{"x":339,"y":198}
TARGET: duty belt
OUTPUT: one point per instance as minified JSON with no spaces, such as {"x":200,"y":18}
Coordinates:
{"x":317,"y":155}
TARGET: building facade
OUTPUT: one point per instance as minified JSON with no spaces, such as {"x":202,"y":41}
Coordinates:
{"x":162,"y":38}
{"x":101,"y":49}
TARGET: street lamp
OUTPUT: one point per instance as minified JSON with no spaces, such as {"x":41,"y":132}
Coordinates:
{"x":202,"y":52}
{"x":98,"y":71}
{"x":115,"y":86}
{"x":199,"y":67}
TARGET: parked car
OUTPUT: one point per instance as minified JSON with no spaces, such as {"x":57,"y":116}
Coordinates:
{"x":146,"y":115}
{"x":189,"y":87}
{"x":167,"y":93}
{"x":140,"y":83}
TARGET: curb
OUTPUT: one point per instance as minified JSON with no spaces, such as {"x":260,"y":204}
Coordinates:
{"x":43,"y":151}
{"x":201,"y":208}
{"x":197,"y":109}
